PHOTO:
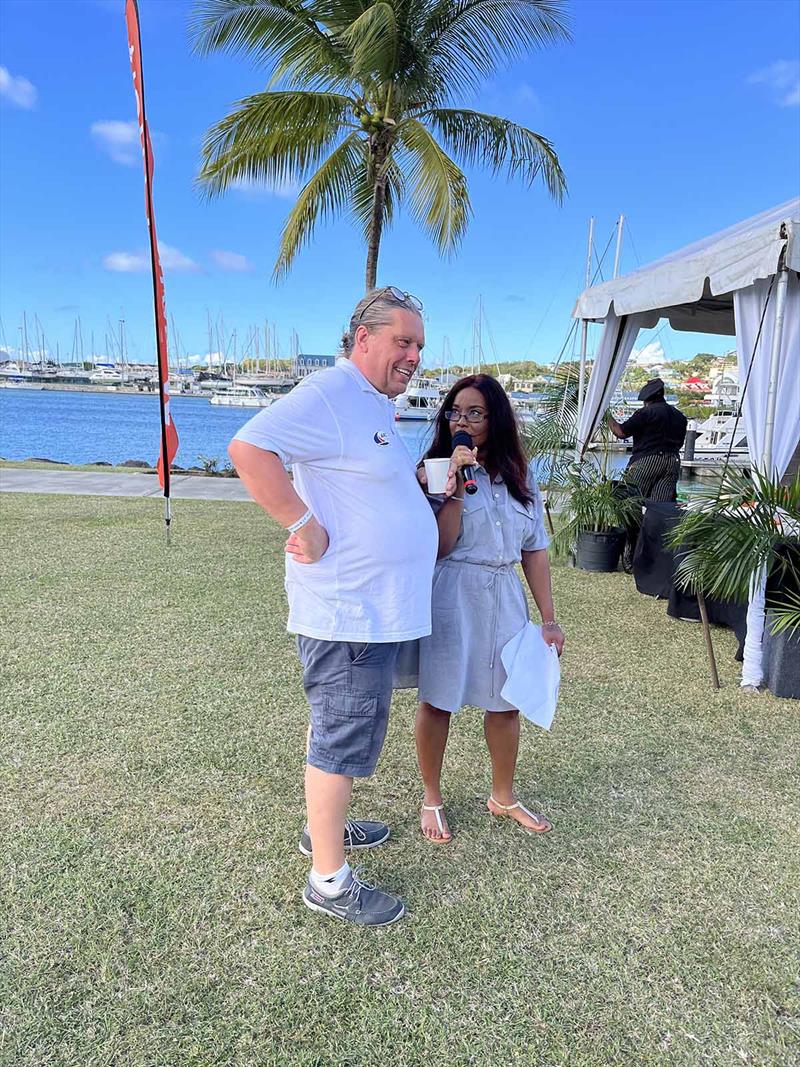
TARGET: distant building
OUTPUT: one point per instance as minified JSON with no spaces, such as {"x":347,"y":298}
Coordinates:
{"x":696,"y":385}
{"x":307,"y":364}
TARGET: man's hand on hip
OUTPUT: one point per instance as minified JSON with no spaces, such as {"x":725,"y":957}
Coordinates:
{"x":309,"y":544}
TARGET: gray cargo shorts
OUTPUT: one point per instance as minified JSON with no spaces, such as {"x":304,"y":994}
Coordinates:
{"x":349,"y":689}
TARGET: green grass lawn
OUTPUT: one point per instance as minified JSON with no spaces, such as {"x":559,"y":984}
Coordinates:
{"x":153,"y":730}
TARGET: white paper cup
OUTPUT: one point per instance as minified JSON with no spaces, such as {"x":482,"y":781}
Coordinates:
{"x":436,"y":473}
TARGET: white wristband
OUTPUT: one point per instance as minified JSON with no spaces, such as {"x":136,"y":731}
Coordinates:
{"x":300,"y":523}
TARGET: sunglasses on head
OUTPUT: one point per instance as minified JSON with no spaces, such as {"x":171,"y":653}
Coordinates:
{"x":398,"y":294}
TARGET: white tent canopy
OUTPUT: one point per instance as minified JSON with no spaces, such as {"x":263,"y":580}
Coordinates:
{"x":693,"y":287}
{"x":742,"y":281}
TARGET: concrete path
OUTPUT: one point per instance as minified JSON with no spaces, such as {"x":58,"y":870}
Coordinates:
{"x":91,"y":483}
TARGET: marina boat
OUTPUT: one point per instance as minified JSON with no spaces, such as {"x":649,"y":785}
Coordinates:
{"x":105,"y":375}
{"x":241,"y":396}
{"x":526,"y":406}
{"x":419,"y":403}
{"x":719,"y":434}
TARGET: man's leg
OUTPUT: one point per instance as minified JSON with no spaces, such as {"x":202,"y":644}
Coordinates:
{"x":633,"y":479}
{"x":327,"y":801}
{"x":665,"y":486}
{"x":349,"y":690}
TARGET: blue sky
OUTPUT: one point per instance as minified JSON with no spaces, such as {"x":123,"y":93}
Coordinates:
{"x":683,"y":115}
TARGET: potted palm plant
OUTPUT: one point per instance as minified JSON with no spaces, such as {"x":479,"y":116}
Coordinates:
{"x":597,"y":511}
{"x":745,"y":527}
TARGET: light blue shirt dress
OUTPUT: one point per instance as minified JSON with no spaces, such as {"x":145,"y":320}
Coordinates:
{"x":478,"y":601}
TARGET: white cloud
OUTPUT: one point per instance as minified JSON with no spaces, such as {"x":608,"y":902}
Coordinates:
{"x":206,"y":359}
{"x":232,"y":261}
{"x":126,"y":262}
{"x":782,"y":78}
{"x":651,"y":355}
{"x":172,"y":259}
{"x":134,"y":262}
{"x":285,"y":189}
{"x":120,"y":140}
{"x":18,"y":90}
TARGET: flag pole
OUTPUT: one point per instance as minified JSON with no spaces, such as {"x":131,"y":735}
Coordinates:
{"x":169,"y":437}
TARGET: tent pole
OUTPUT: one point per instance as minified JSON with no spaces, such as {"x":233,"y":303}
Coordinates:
{"x":617,"y":253}
{"x":774,"y":361}
{"x":585,"y":323}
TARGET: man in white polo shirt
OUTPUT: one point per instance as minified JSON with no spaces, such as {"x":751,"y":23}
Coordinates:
{"x":360,"y":555}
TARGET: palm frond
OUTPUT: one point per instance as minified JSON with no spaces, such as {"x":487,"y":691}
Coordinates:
{"x":732,"y":532}
{"x":438,"y":189}
{"x":286,"y":33}
{"x":272,"y":137}
{"x":478,"y":139}
{"x":784,"y":614}
{"x":327,"y":193}
{"x":372,"y":43}
{"x":593,"y":503}
{"x":467,"y":41}
{"x":550,"y":437}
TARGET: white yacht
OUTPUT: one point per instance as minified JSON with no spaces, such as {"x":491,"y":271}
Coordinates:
{"x":420,"y":402}
{"x":720,"y":433}
{"x":105,"y":374}
{"x":241,"y":396}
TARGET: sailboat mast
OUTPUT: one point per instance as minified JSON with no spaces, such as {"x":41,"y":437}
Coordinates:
{"x":585,"y":322}
{"x":480,"y":332}
{"x":267,"y":346}
{"x":25,"y":352}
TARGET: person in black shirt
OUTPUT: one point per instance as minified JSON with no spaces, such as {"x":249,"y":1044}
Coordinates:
{"x":658,"y":432}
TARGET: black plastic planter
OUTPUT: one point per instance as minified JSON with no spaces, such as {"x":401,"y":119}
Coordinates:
{"x":781,"y":661}
{"x":599,"y":551}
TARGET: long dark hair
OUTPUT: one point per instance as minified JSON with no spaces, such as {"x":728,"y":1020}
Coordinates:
{"x":503,"y":448}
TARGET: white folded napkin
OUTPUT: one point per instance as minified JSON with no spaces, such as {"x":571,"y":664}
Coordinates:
{"x":533,"y":675}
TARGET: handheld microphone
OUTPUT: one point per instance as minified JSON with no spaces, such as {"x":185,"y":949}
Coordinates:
{"x":463,"y":438}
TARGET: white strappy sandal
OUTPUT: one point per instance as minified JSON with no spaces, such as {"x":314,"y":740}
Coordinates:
{"x":437,"y":809}
{"x":544,"y":823}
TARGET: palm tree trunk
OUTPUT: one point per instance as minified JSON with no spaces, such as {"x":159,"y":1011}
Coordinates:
{"x":376,"y":222}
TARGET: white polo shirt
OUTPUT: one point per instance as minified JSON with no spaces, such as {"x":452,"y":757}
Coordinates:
{"x":353,"y":470}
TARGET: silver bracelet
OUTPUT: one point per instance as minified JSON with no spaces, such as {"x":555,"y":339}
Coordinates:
{"x":551,"y":624}
{"x":300,"y":523}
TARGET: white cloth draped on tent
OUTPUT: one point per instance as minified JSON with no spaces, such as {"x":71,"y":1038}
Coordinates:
{"x":748,"y":309}
{"x":616,"y":345}
{"x":751,"y":305}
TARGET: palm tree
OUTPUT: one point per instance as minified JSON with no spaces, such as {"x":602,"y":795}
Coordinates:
{"x":358,"y":108}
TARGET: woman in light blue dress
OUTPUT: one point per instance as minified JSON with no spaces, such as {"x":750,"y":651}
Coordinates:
{"x":478,"y":602}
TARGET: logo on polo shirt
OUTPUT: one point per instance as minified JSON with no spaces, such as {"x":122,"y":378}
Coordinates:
{"x":380,"y":438}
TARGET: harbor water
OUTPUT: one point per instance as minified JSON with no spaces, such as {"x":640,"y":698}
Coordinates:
{"x":75,"y":427}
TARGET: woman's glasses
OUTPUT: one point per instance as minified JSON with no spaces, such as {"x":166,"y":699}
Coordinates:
{"x":398,"y":294}
{"x":473,"y":415}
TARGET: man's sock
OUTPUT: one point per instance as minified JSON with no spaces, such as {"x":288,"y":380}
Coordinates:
{"x":331,"y":885}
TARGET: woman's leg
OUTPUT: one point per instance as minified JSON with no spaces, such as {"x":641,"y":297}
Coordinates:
{"x":502,"y":736}
{"x":430,"y":731}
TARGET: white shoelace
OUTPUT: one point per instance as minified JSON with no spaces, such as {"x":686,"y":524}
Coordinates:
{"x":354,"y":830}
{"x":358,"y":883}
